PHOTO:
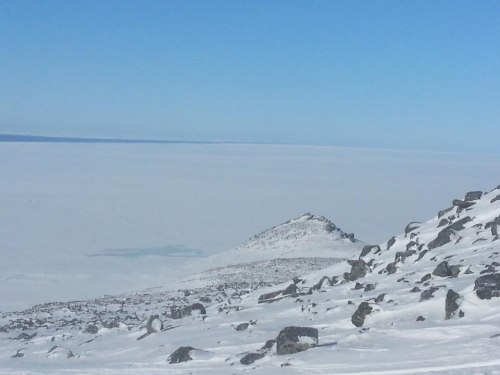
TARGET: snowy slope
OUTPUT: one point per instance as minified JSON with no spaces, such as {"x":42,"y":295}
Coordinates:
{"x":403,"y":286}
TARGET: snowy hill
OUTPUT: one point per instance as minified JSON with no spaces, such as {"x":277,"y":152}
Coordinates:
{"x":306,"y":236}
{"x":425,"y":302}
{"x":299,"y":246}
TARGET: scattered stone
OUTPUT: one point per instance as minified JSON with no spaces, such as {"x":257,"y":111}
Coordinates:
{"x":415,"y":290}
{"x":380,"y":298}
{"x":358,"y":318}
{"x":251,"y":358}
{"x":296,"y":339}
{"x":487,"y":286}
{"x":181,"y":355}
{"x":70,"y":354}
{"x":420,"y":319}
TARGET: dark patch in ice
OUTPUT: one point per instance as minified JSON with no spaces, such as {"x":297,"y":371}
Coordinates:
{"x":178,"y":251}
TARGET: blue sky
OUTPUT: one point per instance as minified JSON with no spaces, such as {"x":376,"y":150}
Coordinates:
{"x":390,"y":74}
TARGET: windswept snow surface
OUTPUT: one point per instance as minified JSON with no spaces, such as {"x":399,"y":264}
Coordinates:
{"x":390,"y":340}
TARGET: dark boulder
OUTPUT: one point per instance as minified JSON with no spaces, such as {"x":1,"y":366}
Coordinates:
{"x":420,"y":319}
{"x":455,"y":270}
{"x":196,"y":307}
{"x":380,"y":298}
{"x":459,"y":224}
{"x":444,"y":212}
{"x":402,"y":255}
{"x":426,"y":277}
{"x":296,"y":339}
{"x":412,"y":226}
{"x":359,"y":269}
{"x":487,"y":286}
{"x":444,"y":236}
{"x":18,"y":354}
{"x":291,"y":289}
{"x":427,"y":294}
{"x":442,"y":239}
{"x":268,"y":345}
{"x":415,"y":290}
{"x":368,"y":248}
{"x":452,"y":304}
{"x":181,"y":355}
{"x":251,"y":358}
{"x":358,"y":318}
{"x":369,"y":287}
{"x":269,"y":296}
{"x":358,"y":286}
{"x":391,"y":242}
{"x":461,"y":204}
{"x":154,"y":324}
{"x":497,"y":198}
{"x":242,"y":326}
{"x":320,"y":283}
{"x":391,"y":268}
{"x":443,"y":222}
{"x":92,"y":329}
{"x":421,"y":255}
{"x":473,"y":196}
{"x":442,"y":270}
{"x":25,"y":336}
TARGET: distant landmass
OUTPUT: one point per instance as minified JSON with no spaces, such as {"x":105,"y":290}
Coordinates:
{"x":54,"y":139}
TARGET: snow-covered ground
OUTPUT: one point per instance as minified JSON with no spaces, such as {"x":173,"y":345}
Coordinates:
{"x":407,"y":306}
{"x":62,"y":206}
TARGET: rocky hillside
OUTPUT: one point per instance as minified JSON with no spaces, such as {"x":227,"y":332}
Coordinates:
{"x":425,"y":302}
